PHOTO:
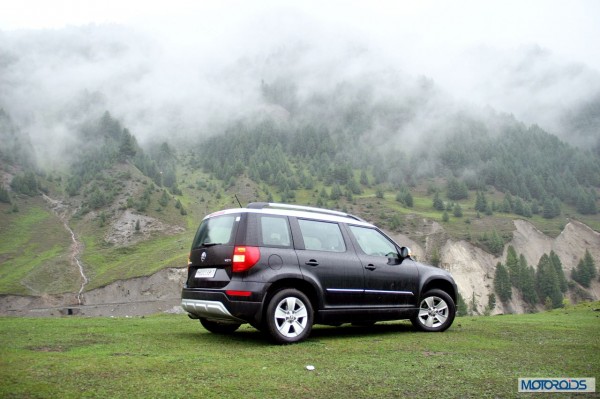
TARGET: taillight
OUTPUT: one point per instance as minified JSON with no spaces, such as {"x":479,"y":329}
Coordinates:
{"x":238,"y":293}
{"x":244,"y":258}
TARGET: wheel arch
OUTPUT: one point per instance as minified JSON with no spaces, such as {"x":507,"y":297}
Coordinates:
{"x":441,"y":284}
{"x":301,"y":285}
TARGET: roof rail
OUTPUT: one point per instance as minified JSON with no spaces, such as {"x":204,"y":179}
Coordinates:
{"x":277,"y":205}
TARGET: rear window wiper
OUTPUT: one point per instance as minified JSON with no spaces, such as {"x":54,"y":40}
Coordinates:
{"x":209,"y":244}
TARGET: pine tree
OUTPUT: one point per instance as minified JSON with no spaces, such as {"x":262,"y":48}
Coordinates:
{"x":457,"y":190}
{"x":435,"y":257}
{"x":437,"y":202}
{"x":25,"y":183}
{"x":127,"y":146}
{"x":519,"y":207}
{"x":461,"y":306}
{"x":408,"y":199}
{"x":507,"y":203}
{"x":491,"y":302}
{"x":495,"y":243}
{"x":336,"y":192}
{"x":502,"y":284}
{"x":585,"y":270}
{"x":4,"y":196}
{"x":164,"y":199}
{"x":547,"y":282}
{"x":548,"y":209}
{"x":512,"y":264}
{"x":589,"y":264}
{"x":527,"y":281}
{"x":458,"y":211}
{"x":473,"y":306}
{"x":560,"y":274}
{"x":395,"y":222}
{"x":480,"y":202}
{"x":364,"y":179}
{"x":527,"y":212}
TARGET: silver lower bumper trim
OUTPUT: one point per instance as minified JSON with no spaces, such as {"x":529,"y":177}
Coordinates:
{"x":213,"y":310}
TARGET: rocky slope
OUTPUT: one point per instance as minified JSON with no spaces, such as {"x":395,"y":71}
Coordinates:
{"x":474,"y":269}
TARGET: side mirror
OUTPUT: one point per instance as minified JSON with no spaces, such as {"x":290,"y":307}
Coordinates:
{"x":405,"y":253}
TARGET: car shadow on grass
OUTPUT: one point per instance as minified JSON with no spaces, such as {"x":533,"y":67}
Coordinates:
{"x":248,"y":335}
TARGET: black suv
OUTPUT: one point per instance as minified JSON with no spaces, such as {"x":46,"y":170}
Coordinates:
{"x":283,"y":268}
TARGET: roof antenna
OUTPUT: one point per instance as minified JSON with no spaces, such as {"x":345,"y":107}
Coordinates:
{"x":238,"y":201}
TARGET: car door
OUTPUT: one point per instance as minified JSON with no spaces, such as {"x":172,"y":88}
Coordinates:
{"x":326,"y":259}
{"x":388,"y":281}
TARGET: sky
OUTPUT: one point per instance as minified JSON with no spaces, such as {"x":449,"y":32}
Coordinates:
{"x":568,"y":28}
{"x":536,"y":59}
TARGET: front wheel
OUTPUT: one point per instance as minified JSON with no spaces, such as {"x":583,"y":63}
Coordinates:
{"x":289,"y":317}
{"x":217,"y":327}
{"x":436,"y":312}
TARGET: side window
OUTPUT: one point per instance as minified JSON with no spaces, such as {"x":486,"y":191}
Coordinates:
{"x":372,"y":242}
{"x":275,"y":231}
{"x":322,"y":236}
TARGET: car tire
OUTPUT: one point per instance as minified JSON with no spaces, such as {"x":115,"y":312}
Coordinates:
{"x":436,"y":312}
{"x":289,"y":317}
{"x":218,"y":327}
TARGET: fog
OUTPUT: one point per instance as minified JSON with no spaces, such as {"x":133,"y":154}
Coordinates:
{"x":181,"y":69}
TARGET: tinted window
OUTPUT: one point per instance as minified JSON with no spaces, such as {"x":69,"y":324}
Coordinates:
{"x":322,"y":236}
{"x":372,"y":242}
{"x":216,"y":230}
{"x":275,"y":231}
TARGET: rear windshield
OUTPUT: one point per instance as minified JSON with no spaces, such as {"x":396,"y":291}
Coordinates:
{"x":216,"y":230}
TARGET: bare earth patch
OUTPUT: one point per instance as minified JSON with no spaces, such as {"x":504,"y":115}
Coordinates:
{"x":123,"y":230}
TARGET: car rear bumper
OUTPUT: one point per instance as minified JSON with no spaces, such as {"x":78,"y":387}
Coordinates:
{"x":208,"y":309}
{"x":216,"y":305}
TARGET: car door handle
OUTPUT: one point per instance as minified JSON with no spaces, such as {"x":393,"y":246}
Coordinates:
{"x":370,"y":266}
{"x":312,"y":262}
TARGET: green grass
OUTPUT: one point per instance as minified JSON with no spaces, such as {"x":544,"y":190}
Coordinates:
{"x":34,"y":252}
{"x":170,"y":356}
{"x":105,"y":264}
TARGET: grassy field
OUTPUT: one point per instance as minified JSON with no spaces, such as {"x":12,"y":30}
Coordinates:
{"x":34,"y":252}
{"x":170,"y":356}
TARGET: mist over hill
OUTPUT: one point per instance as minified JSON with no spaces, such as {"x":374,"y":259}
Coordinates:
{"x":189,"y":86}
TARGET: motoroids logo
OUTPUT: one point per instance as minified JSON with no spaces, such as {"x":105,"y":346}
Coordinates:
{"x":557,"y":384}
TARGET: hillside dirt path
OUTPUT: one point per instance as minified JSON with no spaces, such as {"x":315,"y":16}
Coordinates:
{"x":76,"y":246}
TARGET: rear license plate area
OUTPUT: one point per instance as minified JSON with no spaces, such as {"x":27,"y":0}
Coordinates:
{"x":205,"y":273}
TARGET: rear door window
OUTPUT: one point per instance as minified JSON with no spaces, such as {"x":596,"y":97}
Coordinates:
{"x":275,"y":231}
{"x":322,"y":236}
{"x":216,"y":230}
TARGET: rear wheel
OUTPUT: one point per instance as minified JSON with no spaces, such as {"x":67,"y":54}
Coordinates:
{"x":219,"y":327}
{"x":436,"y":312}
{"x":289,"y":316}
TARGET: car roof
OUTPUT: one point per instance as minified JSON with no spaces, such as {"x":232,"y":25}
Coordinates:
{"x":297,"y":211}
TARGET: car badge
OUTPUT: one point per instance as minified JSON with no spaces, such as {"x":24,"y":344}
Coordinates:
{"x":203,"y":257}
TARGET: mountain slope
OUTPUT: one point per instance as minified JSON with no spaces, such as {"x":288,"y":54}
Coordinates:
{"x":374,"y":141}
